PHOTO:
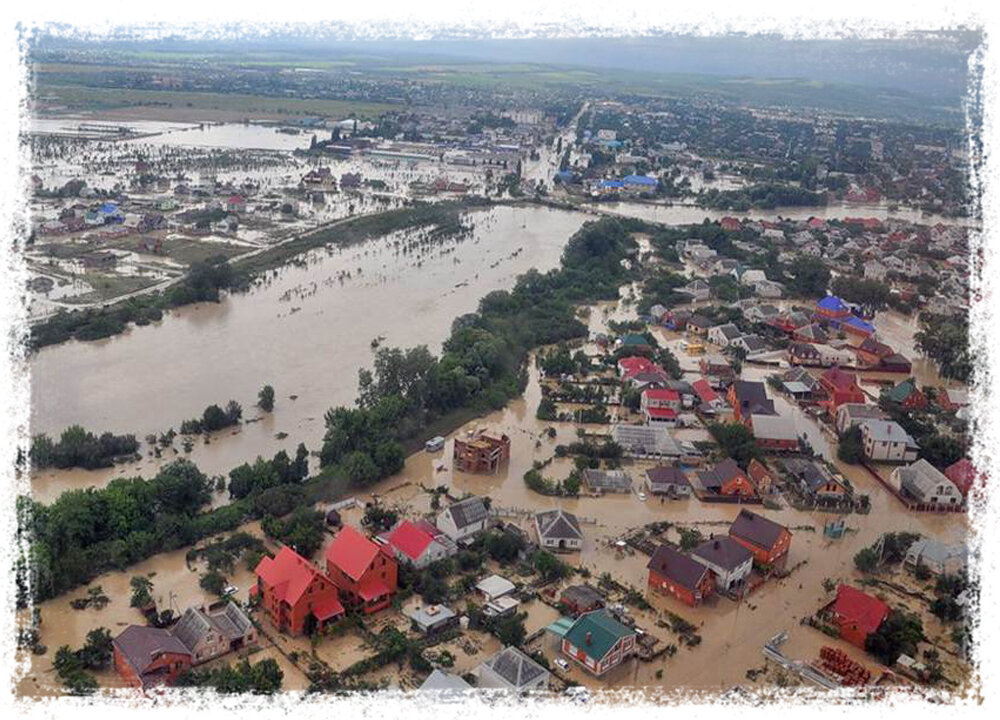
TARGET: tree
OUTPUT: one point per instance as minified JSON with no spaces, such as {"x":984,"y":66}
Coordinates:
{"x":265,"y":398}
{"x":510,"y":630}
{"x":866,"y":560}
{"x":549,"y":566}
{"x":142,"y":588}
{"x":851,"y":449}
{"x":213,"y":581}
{"x":898,"y":634}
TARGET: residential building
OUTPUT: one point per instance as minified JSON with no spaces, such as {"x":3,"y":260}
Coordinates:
{"x":671,"y":572}
{"x":749,"y":398}
{"x":558,"y":530}
{"x":724,"y":335}
{"x":926,"y":484}
{"x":419,"y":544}
{"x":726,"y":478}
{"x":598,"y":642}
{"x":887,"y":441}
{"x":146,"y":656}
{"x":907,"y":395}
{"x":760,"y":477}
{"x":579,"y":599}
{"x":430,"y":619}
{"x":774,"y":433}
{"x":364,"y":572}
{"x":851,"y":414}
{"x":510,"y":669}
{"x":667,"y":480}
{"x":857,"y":615}
{"x":652,"y":441}
{"x":938,"y":557}
{"x":494,"y":587}
{"x":444,"y":684}
{"x":211,"y":634}
{"x":730,"y":561}
{"x":814,"y":479}
{"x":463,"y":519}
{"x":964,"y":475}
{"x":767,"y":540}
{"x":481,"y":452}
{"x":840,"y":387}
{"x":296,"y":597}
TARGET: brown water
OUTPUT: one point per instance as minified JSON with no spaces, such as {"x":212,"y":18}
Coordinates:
{"x":303,"y":331}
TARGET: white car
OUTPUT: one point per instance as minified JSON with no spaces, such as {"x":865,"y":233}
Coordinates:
{"x":230,"y":590}
{"x":562,"y":664}
{"x":642,"y":497}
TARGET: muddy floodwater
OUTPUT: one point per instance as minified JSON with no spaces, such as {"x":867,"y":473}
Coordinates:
{"x":306,"y":330}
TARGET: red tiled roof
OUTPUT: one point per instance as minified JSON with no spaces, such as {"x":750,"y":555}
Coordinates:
{"x":665,"y":413}
{"x":288,"y":574}
{"x":705,"y":392}
{"x":352,"y":552}
{"x":632,"y":366}
{"x":410,"y":539}
{"x":327,"y":608}
{"x":839,"y":379}
{"x":666,"y":395}
{"x":861,"y":609}
{"x":963,"y":473}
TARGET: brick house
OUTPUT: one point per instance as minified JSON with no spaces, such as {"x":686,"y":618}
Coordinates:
{"x":767,"y":540}
{"x":295,"y":595}
{"x":147,"y":656}
{"x":481,"y":453}
{"x":598,"y":642}
{"x":840,"y":387}
{"x":364,"y":572}
{"x":908,"y":395}
{"x":671,"y":572}
{"x":726,"y":478}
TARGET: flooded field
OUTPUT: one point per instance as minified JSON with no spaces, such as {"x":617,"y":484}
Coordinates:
{"x":307,"y":330}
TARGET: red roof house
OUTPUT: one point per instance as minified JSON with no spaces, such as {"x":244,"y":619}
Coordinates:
{"x":841,"y":387}
{"x":857,"y":615}
{"x":419,"y":543}
{"x":964,"y":474}
{"x":295,"y":595}
{"x":364,"y":572}
{"x":731,"y":224}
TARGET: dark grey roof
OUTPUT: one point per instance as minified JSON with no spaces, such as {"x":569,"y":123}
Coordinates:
{"x":724,"y":552}
{"x":807,"y":471}
{"x":191,"y":628}
{"x":558,"y":524}
{"x":195,"y":623}
{"x":754,"y":342}
{"x":720,"y":474}
{"x":752,"y":398}
{"x":671,"y":563}
{"x":468,"y":512}
{"x":582,"y":595}
{"x":515,"y":667}
{"x":141,"y":645}
{"x":666,"y":475}
{"x":755,"y":528}
{"x":729,"y":331}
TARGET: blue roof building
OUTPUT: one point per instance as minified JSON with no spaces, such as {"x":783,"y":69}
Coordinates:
{"x":640,"y":180}
{"x":611,"y":184}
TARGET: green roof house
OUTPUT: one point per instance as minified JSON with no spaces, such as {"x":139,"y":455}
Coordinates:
{"x":598,"y":642}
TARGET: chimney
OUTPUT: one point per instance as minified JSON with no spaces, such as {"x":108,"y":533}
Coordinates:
{"x":589,"y":638}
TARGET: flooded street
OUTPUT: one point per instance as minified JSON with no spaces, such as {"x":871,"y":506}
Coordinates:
{"x":303,"y":331}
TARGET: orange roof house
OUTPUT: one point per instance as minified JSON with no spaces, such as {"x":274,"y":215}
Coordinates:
{"x":295,"y":595}
{"x":364,"y":572}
